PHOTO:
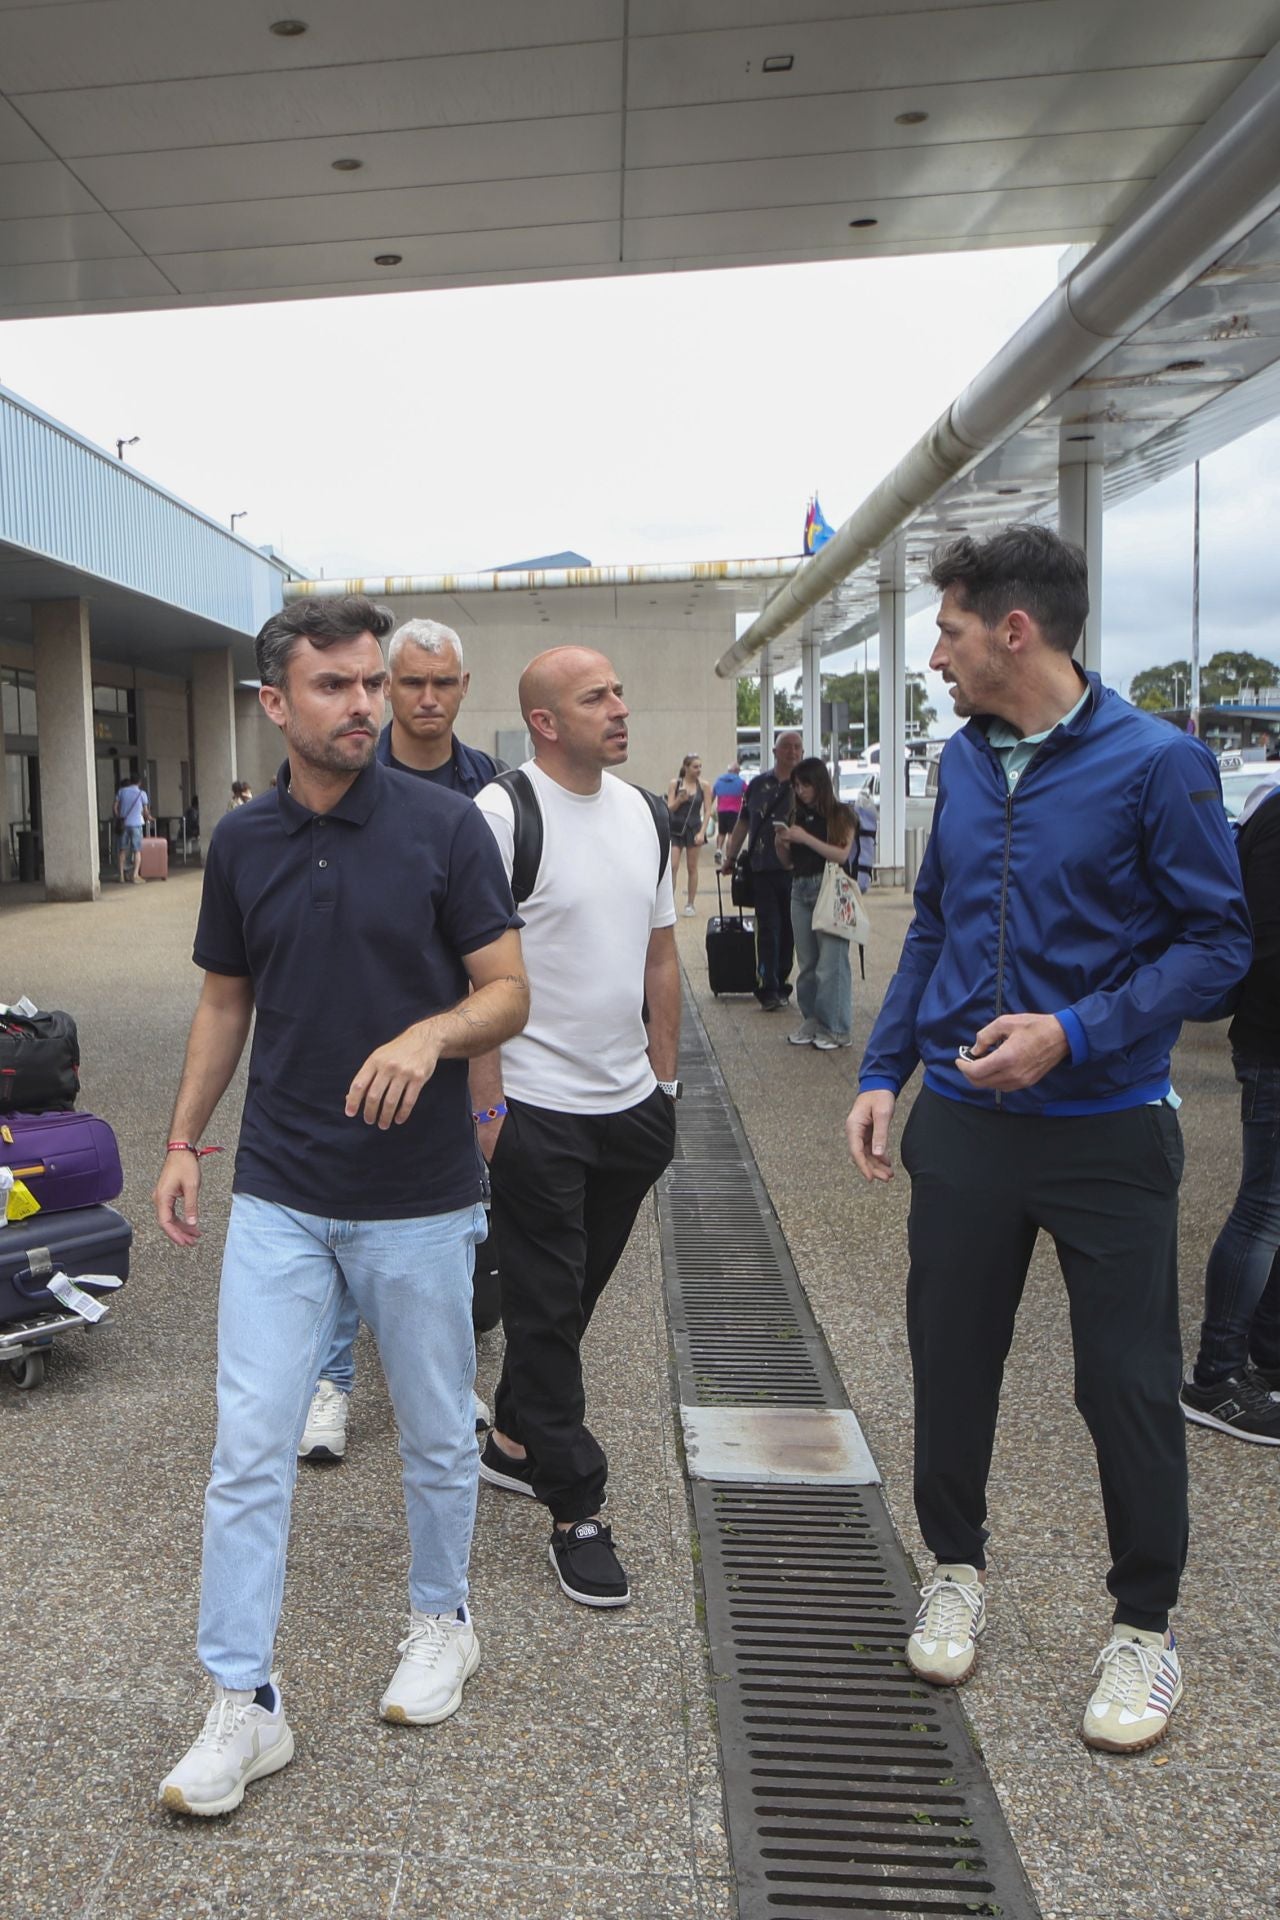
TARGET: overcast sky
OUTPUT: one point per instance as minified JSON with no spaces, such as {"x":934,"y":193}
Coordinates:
{"x":670,"y":417}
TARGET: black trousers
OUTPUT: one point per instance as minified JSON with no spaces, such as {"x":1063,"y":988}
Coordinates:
{"x":566,"y":1191}
{"x":775,"y":947}
{"x":1105,"y":1187}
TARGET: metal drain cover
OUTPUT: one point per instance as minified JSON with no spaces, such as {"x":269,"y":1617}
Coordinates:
{"x":796,"y":1446}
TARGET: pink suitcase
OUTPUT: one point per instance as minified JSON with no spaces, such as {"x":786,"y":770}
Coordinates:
{"x":153,"y":857}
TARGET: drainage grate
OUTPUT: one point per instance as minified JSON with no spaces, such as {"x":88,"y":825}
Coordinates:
{"x":850,"y":1787}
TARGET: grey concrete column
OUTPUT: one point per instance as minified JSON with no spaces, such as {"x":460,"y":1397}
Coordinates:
{"x":811,"y":689}
{"x":1080,"y":520}
{"x":68,"y":788}
{"x":766,"y":712}
{"x":893,"y":678}
{"x":5,"y":861}
{"x":213,"y":707}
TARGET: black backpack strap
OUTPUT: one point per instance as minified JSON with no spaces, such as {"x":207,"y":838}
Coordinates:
{"x":527,"y":855}
{"x":661,"y":826}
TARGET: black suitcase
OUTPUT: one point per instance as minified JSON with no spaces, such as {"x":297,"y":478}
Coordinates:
{"x":731,"y":950}
{"x":86,"y":1240}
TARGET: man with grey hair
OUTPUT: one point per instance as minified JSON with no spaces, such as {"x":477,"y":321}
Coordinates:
{"x":428,"y":683}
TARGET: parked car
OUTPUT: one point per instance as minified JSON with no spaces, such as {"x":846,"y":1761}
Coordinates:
{"x":920,"y":801}
{"x":1239,"y":782}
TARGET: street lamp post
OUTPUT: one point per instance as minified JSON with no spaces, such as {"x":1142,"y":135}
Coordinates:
{"x":238,"y":516}
{"x":122,"y":444}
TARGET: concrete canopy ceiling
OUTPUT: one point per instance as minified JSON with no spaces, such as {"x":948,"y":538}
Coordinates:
{"x":165,"y":153}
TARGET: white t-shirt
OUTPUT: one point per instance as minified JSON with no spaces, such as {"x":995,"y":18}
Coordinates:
{"x":586,"y":935}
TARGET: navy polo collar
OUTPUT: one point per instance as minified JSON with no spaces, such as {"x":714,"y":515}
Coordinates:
{"x":355,"y":806}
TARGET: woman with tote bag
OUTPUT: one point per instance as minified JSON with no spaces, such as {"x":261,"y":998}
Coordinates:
{"x":815,"y":846}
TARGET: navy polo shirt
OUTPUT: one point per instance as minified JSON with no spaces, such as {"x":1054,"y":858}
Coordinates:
{"x":352,"y":926}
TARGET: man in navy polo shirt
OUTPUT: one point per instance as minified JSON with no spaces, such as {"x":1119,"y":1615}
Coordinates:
{"x":352,"y":910}
{"x":427,"y":685}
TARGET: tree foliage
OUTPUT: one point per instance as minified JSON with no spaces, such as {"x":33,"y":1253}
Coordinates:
{"x":1227,"y":676}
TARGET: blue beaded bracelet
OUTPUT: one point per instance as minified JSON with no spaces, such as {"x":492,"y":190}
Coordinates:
{"x":483,"y":1115}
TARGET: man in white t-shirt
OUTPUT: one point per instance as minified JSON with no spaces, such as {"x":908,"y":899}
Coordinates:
{"x":577,"y":1117}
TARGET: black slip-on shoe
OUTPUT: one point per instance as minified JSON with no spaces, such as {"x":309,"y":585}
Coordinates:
{"x":501,"y":1470}
{"x":586,"y":1565}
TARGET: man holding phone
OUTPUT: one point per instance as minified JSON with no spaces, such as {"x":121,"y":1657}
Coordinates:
{"x":1079,"y":898}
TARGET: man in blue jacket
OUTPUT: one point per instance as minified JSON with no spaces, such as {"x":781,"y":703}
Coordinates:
{"x":1079,"y":898}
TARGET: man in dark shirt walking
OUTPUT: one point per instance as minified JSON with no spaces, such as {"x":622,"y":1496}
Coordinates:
{"x":1236,"y":1378}
{"x":768,"y":803}
{"x":351,"y":914}
{"x":426,"y":685}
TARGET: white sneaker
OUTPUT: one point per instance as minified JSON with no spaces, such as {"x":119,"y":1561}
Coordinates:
{"x":1141,"y":1685}
{"x":953,"y":1611}
{"x":325,"y":1435}
{"x":689,"y":911}
{"x":240,"y":1742}
{"x":439,"y":1656}
{"x":803,"y":1035}
{"x":483,"y":1417}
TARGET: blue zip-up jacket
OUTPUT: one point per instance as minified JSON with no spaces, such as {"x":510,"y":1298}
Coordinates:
{"x":1104,"y":889}
{"x":472,"y":768}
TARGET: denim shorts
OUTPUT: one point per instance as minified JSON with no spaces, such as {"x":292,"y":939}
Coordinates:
{"x":131,"y":838}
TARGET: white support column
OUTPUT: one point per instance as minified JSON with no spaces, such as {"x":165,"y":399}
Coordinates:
{"x":1080,"y":520}
{"x":893,"y":677}
{"x":766,"y":712}
{"x":213,"y":706}
{"x":68,"y":787}
{"x":811,"y":689}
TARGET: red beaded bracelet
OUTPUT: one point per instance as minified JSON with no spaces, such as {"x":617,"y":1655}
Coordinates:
{"x":185,"y":1146}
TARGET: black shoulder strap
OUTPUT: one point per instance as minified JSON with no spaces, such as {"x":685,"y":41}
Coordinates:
{"x":661,"y":826}
{"x":527,"y":856}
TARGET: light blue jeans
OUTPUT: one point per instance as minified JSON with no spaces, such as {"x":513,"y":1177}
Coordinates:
{"x":285,"y":1275}
{"x":824,"y":982}
{"x":339,"y":1366}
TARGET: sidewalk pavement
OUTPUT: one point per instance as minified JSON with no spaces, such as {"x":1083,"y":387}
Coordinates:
{"x":1191,"y":1829}
{"x":579,"y":1781}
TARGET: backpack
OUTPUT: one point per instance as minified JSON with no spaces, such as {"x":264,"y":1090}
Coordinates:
{"x":527,"y":857}
{"x":861,"y":857}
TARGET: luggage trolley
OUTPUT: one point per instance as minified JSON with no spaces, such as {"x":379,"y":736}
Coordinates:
{"x":25,"y":1344}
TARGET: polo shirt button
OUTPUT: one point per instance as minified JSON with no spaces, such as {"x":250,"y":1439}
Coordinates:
{"x":322,"y":863}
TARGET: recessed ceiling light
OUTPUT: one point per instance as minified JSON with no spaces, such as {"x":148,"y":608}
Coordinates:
{"x":866,"y":221}
{"x":1008,"y":489}
{"x":1082,"y":436}
{"x":288,"y":29}
{"x":387,"y":259}
{"x":913,"y":119}
{"x":1184,"y":366}
{"x":778,"y":63}
{"x":347,"y":165}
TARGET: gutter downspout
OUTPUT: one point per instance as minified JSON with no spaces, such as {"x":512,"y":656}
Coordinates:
{"x":1225,"y":180}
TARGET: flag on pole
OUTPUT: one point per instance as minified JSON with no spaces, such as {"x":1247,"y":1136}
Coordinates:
{"x":817,"y":531}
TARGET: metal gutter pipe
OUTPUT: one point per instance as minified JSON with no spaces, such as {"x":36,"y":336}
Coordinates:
{"x":1225,"y":180}
{"x":548,"y":579}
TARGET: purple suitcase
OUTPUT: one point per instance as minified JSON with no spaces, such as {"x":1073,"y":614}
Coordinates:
{"x":90,"y":1240}
{"x":65,"y":1159}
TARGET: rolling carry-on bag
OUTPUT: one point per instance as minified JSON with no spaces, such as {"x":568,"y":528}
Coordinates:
{"x":731,"y":950}
{"x":90,"y":1240}
{"x":153,"y":856}
{"x":64,"y":1160}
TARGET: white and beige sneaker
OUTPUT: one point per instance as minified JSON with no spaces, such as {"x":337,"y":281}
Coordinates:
{"x":325,"y":1435}
{"x":239,"y":1742}
{"x":953,"y":1611}
{"x":438,"y":1657}
{"x":1141,"y":1685}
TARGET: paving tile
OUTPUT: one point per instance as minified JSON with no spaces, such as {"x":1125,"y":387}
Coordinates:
{"x":199,"y":1873}
{"x":51,"y":1871}
{"x":504,"y":1890}
{"x":1219,"y":1847}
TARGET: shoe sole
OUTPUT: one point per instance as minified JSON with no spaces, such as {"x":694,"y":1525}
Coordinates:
{"x":1102,"y":1745}
{"x":271,"y":1762}
{"x":1224,"y":1426}
{"x":586,"y":1599}
{"x":506,"y":1481}
{"x":397,"y":1716}
{"x":324,"y":1455}
{"x":795,"y":1040}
